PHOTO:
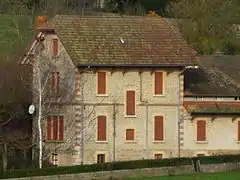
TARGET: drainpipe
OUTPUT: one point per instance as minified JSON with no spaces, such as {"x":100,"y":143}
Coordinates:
{"x":82,"y":115}
{"x":146,"y":104}
{"x":114,"y":132}
{"x":179,"y":106}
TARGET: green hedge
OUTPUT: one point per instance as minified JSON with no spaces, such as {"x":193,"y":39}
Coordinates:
{"x":96,"y":167}
{"x":120,"y":165}
{"x":218,"y":159}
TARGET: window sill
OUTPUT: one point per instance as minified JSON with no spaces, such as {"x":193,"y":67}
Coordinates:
{"x":101,"y":142}
{"x":130,"y":142}
{"x":159,"y":142}
{"x":130,"y":116}
{"x":202,"y":142}
{"x":102,"y":95}
{"x":159,"y":95}
{"x":54,"y":141}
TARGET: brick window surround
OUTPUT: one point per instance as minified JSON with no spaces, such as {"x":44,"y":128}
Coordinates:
{"x":101,"y":128}
{"x":158,"y":128}
{"x":55,"y":128}
{"x":201,"y":130}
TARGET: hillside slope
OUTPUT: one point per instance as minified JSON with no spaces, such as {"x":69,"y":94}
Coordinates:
{"x":15,"y":34}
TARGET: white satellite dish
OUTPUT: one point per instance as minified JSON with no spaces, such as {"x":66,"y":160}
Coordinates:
{"x":31,"y":109}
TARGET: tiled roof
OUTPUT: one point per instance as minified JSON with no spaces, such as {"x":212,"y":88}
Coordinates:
{"x":218,"y":75}
{"x":203,"y":108}
{"x":97,"y":40}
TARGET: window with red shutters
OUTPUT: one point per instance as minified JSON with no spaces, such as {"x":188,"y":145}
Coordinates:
{"x":200,"y":155}
{"x":55,"y":82}
{"x":55,"y":47}
{"x":201,"y":130}
{"x":102,"y":128}
{"x":158,"y":83}
{"x":129,"y":134}
{"x":101,"y":83}
{"x":158,"y":128}
{"x":238,"y":130}
{"x":55,"y":128}
{"x":101,"y":158}
{"x":130,"y":103}
{"x":158,"y":156}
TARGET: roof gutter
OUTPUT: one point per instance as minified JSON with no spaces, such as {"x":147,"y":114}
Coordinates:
{"x":215,"y":113}
{"x":132,"y":65}
{"x":211,"y":95}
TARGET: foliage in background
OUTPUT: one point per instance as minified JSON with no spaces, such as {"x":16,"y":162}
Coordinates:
{"x":209,"y":25}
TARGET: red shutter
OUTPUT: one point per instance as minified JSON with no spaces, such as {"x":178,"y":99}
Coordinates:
{"x":57,"y":81}
{"x":130,"y":103}
{"x":53,"y":81}
{"x":158,"y":83}
{"x":158,"y":128}
{"x":49,"y":128}
{"x":55,"y":127}
{"x":101,"y":83}
{"x":129,"y":134}
{"x":201,"y":130}
{"x":61,"y":128}
{"x":102,"y":128}
{"x":55,"y":47}
{"x":238,"y":130}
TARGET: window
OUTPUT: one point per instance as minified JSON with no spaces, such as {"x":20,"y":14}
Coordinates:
{"x":55,"y":82}
{"x":101,"y":158}
{"x":129,"y":134}
{"x":55,"y":47}
{"x":158,"y":83}
{"x":201,"y":130}
{"x":158,"y":156}
{"x":200,"y":155}
{"x":102,"y":128}
{"x":238,"y":130}
{"x":55,"y":129}
{"x":101,"y":83}
{"x":158,"y":128}
{"x":130,"y":103}
{"x":55,"y":159}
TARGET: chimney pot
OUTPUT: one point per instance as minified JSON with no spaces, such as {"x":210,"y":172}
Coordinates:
{"x":41,"y":20}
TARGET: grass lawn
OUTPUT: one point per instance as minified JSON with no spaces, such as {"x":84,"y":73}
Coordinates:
{"x":215,"y":176}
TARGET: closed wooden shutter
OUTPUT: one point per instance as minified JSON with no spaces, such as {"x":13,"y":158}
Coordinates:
{"x":158,"y":83}
{"x":158,"y":128}
{"x":49,"y":128}
{"x":129,"y":134}
{"x":57,"y":76}
{"x":55,"y":128}
{"x":61,"y":128}
{"x":55,"y":47}
{"x":130,"y":103}
{"x":238,"y":130}
{"x":201,"y":130}
{"x":102,"y":128}
{"x":101,"y":83}
{"x":55,"y":82}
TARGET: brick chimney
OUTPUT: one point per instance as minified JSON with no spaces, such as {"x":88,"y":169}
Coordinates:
{"x":40,"y":21}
